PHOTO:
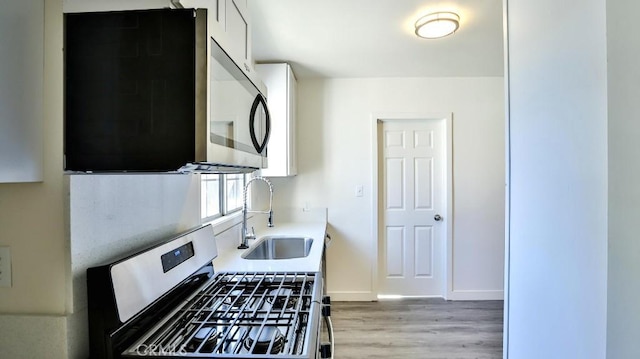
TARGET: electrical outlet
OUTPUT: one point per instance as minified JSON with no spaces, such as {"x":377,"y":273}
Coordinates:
{"x":5,"y":267}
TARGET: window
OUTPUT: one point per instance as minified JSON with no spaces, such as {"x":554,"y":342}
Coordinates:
{"x":234,"y":187}
{"x":210,"y":201}
{"x":221,"y":194}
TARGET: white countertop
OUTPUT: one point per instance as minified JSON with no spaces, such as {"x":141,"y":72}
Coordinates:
{"x":230,"y":260}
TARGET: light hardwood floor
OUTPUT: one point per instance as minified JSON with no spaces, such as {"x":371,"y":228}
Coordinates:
{"x":418,"y":329}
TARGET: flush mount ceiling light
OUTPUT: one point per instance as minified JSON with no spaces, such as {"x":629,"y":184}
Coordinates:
{"x":437,"y":25}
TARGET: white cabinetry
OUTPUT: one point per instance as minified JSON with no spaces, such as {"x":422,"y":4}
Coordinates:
{"x":281,"y":100}
{"x":239,"y":34}
{"x":230,"y":26}
{"x":21,"y":91}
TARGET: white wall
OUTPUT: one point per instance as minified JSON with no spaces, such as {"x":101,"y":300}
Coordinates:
{"x":111,"y":216}
{"x":32,"y":215}
{"x":623,"y":322}
{"x":32,"y":223}
{"x":335,"y":154}
{"x":557,"y":301}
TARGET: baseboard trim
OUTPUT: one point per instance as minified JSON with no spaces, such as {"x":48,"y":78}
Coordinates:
{"x":348,"y":296}
{"x":476,"y":295}
{"x":340,"y":296}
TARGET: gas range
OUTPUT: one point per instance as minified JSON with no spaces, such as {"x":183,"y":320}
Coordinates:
{"x":238,"y":313}
{"x":146,"y":305}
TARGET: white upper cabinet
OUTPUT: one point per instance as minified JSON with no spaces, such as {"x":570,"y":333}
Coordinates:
{"x":230,"y":26}
{"x":21,"y":91}
{"x":239,"y":33}
{"x":281,"y":100}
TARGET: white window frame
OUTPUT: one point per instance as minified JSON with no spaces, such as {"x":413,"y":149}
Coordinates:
{"x":225,"y":192}
{"x":223,"y":211}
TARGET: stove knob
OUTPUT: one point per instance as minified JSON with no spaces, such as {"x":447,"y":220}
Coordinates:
{"x":325,"y":351}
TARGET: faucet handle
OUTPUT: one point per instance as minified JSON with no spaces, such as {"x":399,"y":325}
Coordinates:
{"x":250,"y":234}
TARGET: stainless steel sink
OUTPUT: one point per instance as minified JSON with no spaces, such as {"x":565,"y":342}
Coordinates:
{"x":279,"y":247}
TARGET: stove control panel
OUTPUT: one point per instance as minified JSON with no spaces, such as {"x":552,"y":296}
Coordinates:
{"x":174,"y":257}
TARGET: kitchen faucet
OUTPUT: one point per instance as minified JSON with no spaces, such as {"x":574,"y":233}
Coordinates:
{"x":246,"y":235}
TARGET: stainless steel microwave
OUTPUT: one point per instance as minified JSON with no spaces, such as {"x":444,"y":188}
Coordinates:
{"x":239,"y":123}
{"x":148,"y":90}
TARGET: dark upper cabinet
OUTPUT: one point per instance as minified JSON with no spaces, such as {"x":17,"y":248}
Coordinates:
{"x":129,"y":90}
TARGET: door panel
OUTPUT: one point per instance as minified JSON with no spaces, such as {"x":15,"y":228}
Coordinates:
{"x":423,"y":249}
{"x":424,"y":183}
{"x":395,"y":179}
{"x":395,"y":251}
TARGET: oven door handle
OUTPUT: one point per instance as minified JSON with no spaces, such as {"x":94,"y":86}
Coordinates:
{"x":326,"y":314}
{"x":329,"y":324}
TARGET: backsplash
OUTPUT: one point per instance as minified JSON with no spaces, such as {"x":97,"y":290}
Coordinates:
{"x":114,"y":214}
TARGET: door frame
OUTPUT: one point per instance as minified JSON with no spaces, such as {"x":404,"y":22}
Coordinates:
{"x":376,"y":120}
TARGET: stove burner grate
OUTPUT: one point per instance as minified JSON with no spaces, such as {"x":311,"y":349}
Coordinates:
{"x":240,"y":313}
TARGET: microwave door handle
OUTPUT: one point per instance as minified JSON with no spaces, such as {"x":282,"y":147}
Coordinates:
{"x":259,"y":100}
{"x":267,"y":123}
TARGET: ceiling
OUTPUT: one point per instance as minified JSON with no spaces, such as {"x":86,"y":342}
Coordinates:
{"x":375,"y":38}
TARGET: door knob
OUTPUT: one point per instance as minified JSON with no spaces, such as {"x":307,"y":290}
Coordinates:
{"x":437,"y":217}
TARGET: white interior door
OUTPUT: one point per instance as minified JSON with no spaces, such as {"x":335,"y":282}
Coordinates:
{"x":412,"y":233}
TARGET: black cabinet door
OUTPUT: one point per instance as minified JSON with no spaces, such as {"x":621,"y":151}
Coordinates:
{"x":129,"y":90}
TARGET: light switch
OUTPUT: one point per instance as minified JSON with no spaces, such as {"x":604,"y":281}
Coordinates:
{"x":5,"y":267}
{"x":359,"y":190}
